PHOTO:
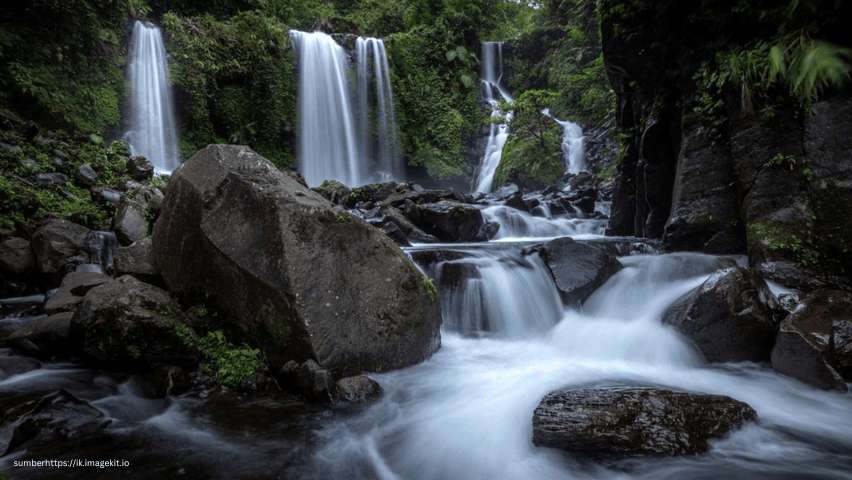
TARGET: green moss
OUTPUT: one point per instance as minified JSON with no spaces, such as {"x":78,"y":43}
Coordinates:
{"x":431,"y":290}
{"x":343,"y":217}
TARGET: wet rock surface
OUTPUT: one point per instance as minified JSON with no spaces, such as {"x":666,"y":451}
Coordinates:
{"x":730,"y":318}
{"x":814,"y":342}
{"x":626,"y":422}
{"x":577,"y":269}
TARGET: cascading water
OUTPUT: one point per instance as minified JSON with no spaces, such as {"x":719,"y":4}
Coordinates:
{"x":327,"y":139}
{"x":573,"y":151}
{"x":331,"y":144}
{"x":152,"y":130}
{"x":383,"y":146}
{"x":492,"y":91}
{"x":467,"y":412}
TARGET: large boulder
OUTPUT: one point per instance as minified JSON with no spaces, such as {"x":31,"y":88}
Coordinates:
{"x":624,"y":422}
{"x":814,"y":342}
{"x":729,"y":318}
{"x":129,"y":324}
{"x":577,"y":269}
{"x":299,"y":276}
{"x":58,"y":243}
{"x":129,"y":222}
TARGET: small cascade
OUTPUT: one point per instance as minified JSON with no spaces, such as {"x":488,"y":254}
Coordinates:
{"x":492,"y":92}
{"x":327,"y":147}
{"x":101,"y":246}
{"x":351,"y":140}
{"x":515,"y":224}
{"x":496,"y":291}
{"x":573,"y":151}
{"x":152,"y":127}
{"x":383,"y":145}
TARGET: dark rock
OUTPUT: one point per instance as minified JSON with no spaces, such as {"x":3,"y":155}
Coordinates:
{"x":54,"y":417}
{"x":704,"y":212}
{"x":58,"y":243}
{"x":577,"y":269}
{"x":516,"y":201}
{"x":137,"y":259}
{"x":840,"y":346}
{"x":308,"y":379}
{"x":489,"y":230}
{"x":86,"y":175}
{"x":11,"y":366}
{"x":140,"y":168}
{"x":53,"y":178}
{"x":16,"y":256}
{"x":126,"y":324}
{"x":74,"y":287}
{"x":729,"y":318}
{"x":455,"y":275}
{"x":129,"y":223}
{"x":105,"y":195}
{"x":625,"y":422}
{"x":307,"y":279}
{"x":358,"y":389}
{"x":451,"y":221}
{"x":806,"y":347}
{"x":45,"y":338}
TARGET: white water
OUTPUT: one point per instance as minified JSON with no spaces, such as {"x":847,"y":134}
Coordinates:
{"x":517,"y":225}
{"x":467,"y":412}
{"x":351,"y":140}
{"x":327,"y":147}
{"x":153,"y":129}
{"x":383,"y":145}
{"x":573,"y":151}
{"x":489,"y":81}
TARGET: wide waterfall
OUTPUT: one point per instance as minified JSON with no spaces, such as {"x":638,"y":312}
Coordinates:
{"x":492,"y":92}
{"x":353,"y":141}
{"x":152,"y":128}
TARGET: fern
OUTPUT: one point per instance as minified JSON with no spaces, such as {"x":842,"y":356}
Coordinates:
{"x":809,"y":66}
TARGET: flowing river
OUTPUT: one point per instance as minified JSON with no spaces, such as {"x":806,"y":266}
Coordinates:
{"x":466,"y":413}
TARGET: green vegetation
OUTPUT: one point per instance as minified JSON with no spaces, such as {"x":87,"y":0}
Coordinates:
{"x":788,"y":239}
{"x":534,"y":149}
{"x":21,"y":196}
{"x":431,"y":290}
{"x":343,"y":217}
{"x":237,"y":73}
{"x":59,"y":61}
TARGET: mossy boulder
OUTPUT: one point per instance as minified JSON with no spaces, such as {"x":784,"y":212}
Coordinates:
{"x":299,"y":276}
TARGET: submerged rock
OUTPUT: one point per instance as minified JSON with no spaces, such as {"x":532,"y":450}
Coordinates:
{"x":300,"y":277}
{"x":577,"y":269}
{"x":56,"y":416}
{"x":729,"y":318}
{"x":814,"y":342}
{"x":358,"y":389}
{"x":622,"y":422}
{"x":11,"y":366}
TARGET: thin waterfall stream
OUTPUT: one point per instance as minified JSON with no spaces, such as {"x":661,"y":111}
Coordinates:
{"x":152,"y":128}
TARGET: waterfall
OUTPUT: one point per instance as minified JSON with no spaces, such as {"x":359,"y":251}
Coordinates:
{"x":327,"y":147}
{"x":383,"y":146}
{"x":573,"y":151}
{"x":152,"y":130}
{"x":492,"y":91}
{"x":354,"y":141}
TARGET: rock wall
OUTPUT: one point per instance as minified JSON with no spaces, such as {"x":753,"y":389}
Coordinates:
{"x":768,"y":183}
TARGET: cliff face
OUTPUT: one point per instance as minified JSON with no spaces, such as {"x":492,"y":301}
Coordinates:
{"x":706,"y":163}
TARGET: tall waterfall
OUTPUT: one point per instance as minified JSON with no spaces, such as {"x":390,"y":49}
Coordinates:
{"x":332,"y":145}
{"x":152,"y":131}
{"x":383,"y":146}
{"x":492,"y":91}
